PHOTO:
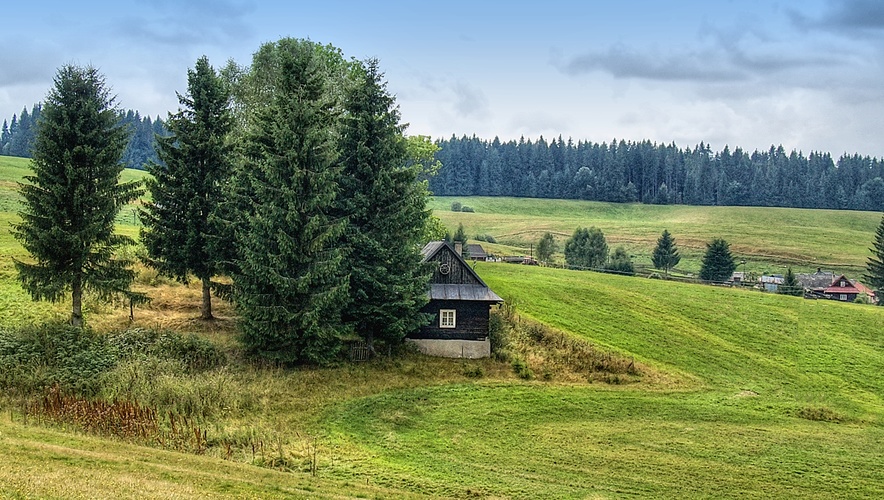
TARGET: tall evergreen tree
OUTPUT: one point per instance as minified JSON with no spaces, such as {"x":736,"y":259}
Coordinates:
{"x":386,"y":209}
{"x":186,"y":186}
{"x":666,"y":254}
{"x":586,"y":249}
{"x":718,"y":263}
{"x":290,"y":281}
{"x":74,"y":195}
{"x":875,"y":265}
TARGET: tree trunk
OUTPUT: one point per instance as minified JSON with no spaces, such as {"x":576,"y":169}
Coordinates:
{"x":206,"y":309}
{"x":77,"y":302}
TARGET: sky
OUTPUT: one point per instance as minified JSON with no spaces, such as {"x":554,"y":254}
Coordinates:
{"x":805,"y":74}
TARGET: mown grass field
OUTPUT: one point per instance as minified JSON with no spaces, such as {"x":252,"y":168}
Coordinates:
{"x":744,"y":394}
{"x":767,"y":238}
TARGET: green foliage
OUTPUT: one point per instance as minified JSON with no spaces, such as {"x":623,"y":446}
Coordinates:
{"x":486,"y":237}
{"x":546,"y":247}
{"x":461,"y":234}
{"x":434,"y":230}
{"x":72,"y":200}
{"x":665,"y":255}
{"x":467,"y":209}
{"x":790,"y":285}
{"x":385,"y":207}
{"x":620,"y":262}
{"x":586,"y":249}
{"x":180,"y":234}
{"x":456,"y":206}
{"x":718,"y":263}
{"x":290,"y":277}
{"x":875,"y":263}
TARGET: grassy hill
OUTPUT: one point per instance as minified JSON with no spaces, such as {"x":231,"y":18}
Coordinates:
{"x":767,"y":238}
{"x":744,"y":394}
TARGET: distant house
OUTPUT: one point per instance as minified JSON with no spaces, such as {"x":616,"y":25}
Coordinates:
{"x":738,"y":278}
{"x":520,"y":259}
{"x":459,"y":305}
{"x":771,"y":283}
{"x":815,"y":284}
{"x":842,"y":289}
{"x":476,"y":252}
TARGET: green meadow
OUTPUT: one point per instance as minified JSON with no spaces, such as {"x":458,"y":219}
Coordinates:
{"x":742,"y":394}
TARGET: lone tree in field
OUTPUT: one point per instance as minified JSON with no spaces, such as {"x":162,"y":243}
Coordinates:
{"x":72,"y":199}
{"x":290,"y":281}
{"x":587,"y":248}
{"x":621,"y":263}
{"x":875,"y":265}
{"x":186,"y":186}
{"x":666,"y":255}
{"x":546,"y":247}
{"x":385,"y":206}
{"x":790,"y":285}
{"x":718,"y":263}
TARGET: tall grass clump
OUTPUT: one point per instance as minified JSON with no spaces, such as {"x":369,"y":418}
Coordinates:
{"x":532,"y":347}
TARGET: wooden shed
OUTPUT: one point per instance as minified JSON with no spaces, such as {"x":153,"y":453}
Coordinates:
{"x":460,"y":303}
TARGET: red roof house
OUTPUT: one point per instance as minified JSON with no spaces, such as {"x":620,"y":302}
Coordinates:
{"x":842,"y":289}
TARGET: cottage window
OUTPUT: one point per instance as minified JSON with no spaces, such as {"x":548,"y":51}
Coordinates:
{"x":844,"y":297}
{"x":447,"y":318}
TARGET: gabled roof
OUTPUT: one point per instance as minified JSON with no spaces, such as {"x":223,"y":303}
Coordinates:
{"x":476,"y":250}
{"x":836,"y":287}
{"x":819,"y":280}
{"x":475,"y":289}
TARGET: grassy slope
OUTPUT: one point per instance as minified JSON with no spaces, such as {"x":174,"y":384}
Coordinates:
{"x":767,"y":238}
{"x":745,"y":365}
{"x":751,"y":363}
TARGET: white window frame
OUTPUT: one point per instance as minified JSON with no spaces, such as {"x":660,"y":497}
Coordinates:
{"x":447,"y":318}
{"x":844,"y":297}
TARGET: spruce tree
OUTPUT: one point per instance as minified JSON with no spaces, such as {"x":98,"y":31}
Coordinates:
{"x":290,"y":281}
{"x":386,"y":209}
{"x":666,"y":254}
{"x":718,"y":263}
{"x":74,"y":195}
{"x":186,"y":186}
{"x":875,"y":265}
{"x":790,"y":285}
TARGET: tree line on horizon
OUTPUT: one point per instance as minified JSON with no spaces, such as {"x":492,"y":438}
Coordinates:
{"x":645,"y":172}
{"x":17,"y":136}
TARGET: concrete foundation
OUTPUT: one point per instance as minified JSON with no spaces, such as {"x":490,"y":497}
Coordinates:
{"x":453,"y":348}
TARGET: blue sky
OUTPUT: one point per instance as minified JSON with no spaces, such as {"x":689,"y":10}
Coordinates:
{"x":807,"y":74}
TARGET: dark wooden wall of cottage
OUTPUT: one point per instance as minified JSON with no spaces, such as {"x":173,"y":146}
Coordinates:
{"x":471,"y":321}
{"x":458,"y":274}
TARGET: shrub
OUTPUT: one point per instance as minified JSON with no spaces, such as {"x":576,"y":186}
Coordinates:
{"x":520,"y":366}
{"x":456,"y":206}
{"x":467,"y":209}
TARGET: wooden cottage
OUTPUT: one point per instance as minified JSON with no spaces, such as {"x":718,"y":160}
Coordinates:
{"x":459,"y":306}
{"x":842,"y":289}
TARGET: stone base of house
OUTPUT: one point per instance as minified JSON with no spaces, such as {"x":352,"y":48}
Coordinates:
{"x":469,"y":349}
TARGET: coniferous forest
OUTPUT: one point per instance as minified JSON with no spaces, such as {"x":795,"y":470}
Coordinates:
{"x":647,"y":172}
{"x":18,"y":135}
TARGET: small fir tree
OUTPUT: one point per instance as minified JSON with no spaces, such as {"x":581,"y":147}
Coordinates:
{"x":186,"y":187}
{"x":72,"y":199}
{"x":621,"y":262}
{"x":790,"y":285}
{"x":666,"y":255}
{"x":718,"y":263}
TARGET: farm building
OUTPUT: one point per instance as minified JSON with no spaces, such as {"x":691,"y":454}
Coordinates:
{"x":842,"y":289}
{"x":460,"y":304}
{"x":476,"y":252}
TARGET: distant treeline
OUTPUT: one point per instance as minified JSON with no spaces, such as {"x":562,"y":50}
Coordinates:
{"x":652,"y":173}
{"x":17,"y":136}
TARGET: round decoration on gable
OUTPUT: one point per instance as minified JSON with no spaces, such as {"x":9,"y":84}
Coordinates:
{"x":444,"y":268}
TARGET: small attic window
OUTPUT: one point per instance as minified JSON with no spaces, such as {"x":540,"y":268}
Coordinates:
{"x":842,"y":284}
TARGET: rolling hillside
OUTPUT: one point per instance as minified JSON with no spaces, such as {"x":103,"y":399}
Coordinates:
{"x":744,"y":394}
